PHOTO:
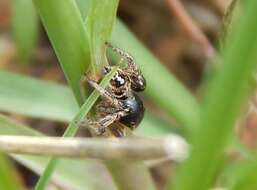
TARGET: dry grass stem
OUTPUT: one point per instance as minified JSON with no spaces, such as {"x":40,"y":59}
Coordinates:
{"x":172,"y":147}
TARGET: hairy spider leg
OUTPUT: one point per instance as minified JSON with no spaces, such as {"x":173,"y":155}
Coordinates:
{"x":122,"y":53}
{"x":99,"y":126}
{"x":104,"y":93}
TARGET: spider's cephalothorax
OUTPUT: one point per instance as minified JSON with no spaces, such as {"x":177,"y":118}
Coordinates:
{"x":137,"y":80}
{"x":120,"y":84}
{"x":119,"y":103}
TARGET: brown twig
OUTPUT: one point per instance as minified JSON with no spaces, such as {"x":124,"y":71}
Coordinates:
{"x":133,"y":149}
{"x":191,"y":27}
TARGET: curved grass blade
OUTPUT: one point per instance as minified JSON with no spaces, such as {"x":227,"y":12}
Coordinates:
{"x":25,"y":27}
{"x":224,"y":100}
{"x":99,"y":24}
{"x":44,"y":99}
{"x":64,"y":26}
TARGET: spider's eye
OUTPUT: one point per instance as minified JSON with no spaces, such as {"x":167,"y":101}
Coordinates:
{"x":118,"y":80}
{"x":138,"y":83}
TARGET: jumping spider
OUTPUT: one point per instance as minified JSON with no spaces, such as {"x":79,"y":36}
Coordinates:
{"x":119,"y":106}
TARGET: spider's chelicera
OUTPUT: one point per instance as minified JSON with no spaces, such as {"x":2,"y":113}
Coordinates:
{"x":119,"y":106}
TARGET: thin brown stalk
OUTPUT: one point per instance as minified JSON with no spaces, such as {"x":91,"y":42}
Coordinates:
{"x":133,"y":149}
{"x":190,"y":27}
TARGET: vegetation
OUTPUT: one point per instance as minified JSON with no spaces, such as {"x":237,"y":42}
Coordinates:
{"x":77,"y":31}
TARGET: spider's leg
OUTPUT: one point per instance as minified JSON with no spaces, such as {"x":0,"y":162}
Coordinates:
{"x":99,"y":126}
{"x":104,"y":93}
{"x":122,"y":53}
{"x":118,"y":130}
{"x":85,"y":79}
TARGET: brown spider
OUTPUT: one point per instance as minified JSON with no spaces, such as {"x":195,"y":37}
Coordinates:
{"x":119,"y":106}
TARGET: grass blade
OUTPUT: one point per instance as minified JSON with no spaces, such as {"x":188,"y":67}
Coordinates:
{"x":99,"y":24}
{"x":47,"y":173}
{"x":72,"y":129}
{"x":84,"y":7}
{"x":25,"y":28}
{"x":44,"y":99}
{"x":8,"y":180}
{"x":67,"y":34}
{"x":224,"y":100}
{"x":245,"y":176}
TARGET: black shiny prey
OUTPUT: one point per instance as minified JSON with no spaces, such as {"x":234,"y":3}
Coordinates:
{"x":135,"y":112}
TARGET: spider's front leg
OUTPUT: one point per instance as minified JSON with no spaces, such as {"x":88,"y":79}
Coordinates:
{"x":87,"y":80}
{"x":122,"y":53}
{"x":105,"y":94}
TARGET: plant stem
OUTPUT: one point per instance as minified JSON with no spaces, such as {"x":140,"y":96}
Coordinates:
{"x":67,"y":34}
{"x":171,"y":147}
{"x":224,"y":99}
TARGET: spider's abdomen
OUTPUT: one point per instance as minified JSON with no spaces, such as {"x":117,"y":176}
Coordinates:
{"x":136,"y":111}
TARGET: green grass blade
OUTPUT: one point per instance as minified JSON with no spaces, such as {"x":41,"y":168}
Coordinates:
{"x":240,"y":174}
{"x":245,"y":176}
{"x":99,"y":24}
{"x":45,"y":100}
{"x":69,"y":172}
{"x":72,"y":129}
{"x":49,"y":170}
{"x":25,"y":28}
{"x":84,"y":7}
{"x":224,"y":101}
{"x":67,"y":34}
